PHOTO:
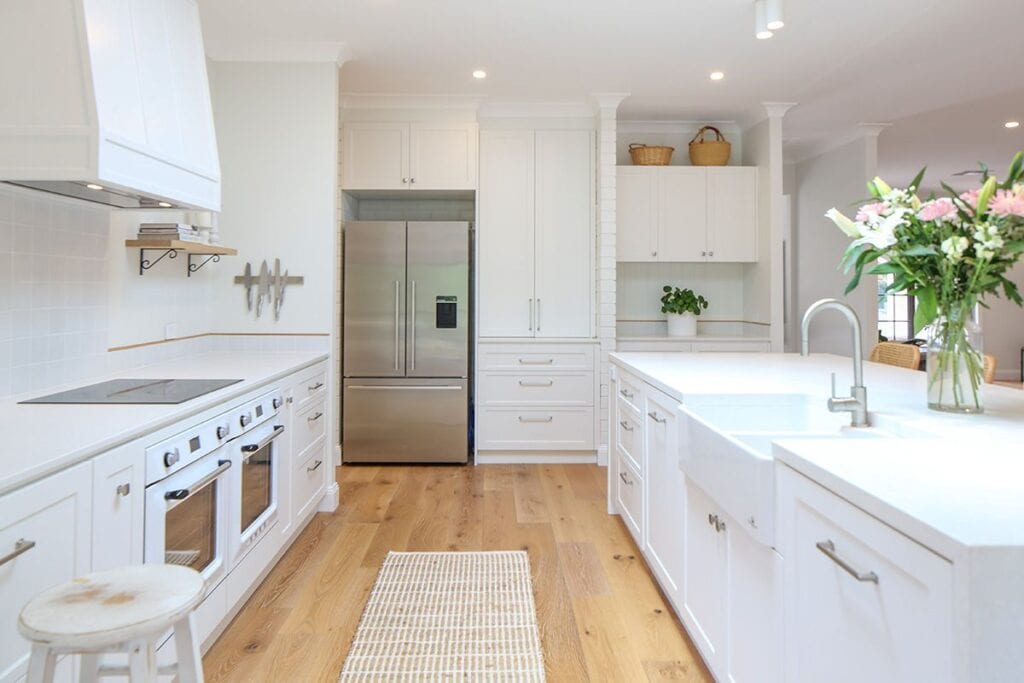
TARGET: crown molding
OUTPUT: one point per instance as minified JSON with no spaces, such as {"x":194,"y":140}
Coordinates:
{"x":609,"y":100}
{"x":763,"y":111}
{"x":288,"y":52}
{"x":518,"y":110}
{"x":684,"y":126}
{"x":397,"y":101}
{"x":871,"y":130}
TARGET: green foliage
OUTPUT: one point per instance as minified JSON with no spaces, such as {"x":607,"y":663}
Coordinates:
{"x":678,"y":300}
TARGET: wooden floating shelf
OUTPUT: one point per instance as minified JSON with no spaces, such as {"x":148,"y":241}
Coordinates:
{"x":179,"y":245}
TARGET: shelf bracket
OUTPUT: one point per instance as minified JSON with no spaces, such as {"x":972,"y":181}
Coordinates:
{"x":193,"y":267}
{"x":145,"y":264}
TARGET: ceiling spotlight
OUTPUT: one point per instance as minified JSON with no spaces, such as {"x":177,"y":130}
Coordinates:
{"x":94,"y":186}
{"x":716,"y":75}
{"x":773,"y":15}
{"x":479,"y":74}
{"x":761,"y":29}
{"x":1012,"y":124}
{"x":164,"y":205}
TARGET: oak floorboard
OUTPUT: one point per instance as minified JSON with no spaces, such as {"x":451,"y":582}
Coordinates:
{"x":601,"y":615}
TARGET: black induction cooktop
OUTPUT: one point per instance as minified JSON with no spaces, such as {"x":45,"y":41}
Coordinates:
{"x":144,"y":391}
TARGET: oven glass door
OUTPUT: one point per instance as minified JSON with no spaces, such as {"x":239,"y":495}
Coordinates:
{"x":258,"y":476}
{"x":190,"y":529}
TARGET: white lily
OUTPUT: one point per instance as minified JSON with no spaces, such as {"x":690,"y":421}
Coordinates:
{"x":848,"y":226}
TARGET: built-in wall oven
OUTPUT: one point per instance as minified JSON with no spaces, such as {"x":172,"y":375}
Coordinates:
{"x":256,"y":457}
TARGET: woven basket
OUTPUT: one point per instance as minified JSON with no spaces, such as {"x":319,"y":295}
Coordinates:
{"x":709,"y":152}
{"x":650,"y":155}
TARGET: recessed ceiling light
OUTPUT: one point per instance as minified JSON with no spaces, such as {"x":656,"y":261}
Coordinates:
{"x":717,"y":75}
{"x":764,"y":35}
{"x":165,"y":205}
{"x":1012,"y":124}
{"x":94,"y":186}
{"x":479,"y":74}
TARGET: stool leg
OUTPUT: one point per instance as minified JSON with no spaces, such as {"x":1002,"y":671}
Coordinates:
{"x":142,"y":662}
{"x":88,"y":672}
{"x":186,"y":643}
{"x":41,"y":664}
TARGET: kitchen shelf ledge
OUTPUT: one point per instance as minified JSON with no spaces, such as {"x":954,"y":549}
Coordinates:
{"x":170,"y":249}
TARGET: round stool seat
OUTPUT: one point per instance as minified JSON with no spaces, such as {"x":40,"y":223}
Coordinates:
{"x":110,"y":607}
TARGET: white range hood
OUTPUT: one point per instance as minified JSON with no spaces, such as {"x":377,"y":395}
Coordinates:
{"x":108,"y":101}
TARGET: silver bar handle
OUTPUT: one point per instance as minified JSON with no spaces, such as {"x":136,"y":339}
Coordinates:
{"x":314,"y":387}
{"x":314,"y":418}
{"x":541,"y":361}
{"x":384,"y":387}
{"x":531,"y":315}
{"x":549,"y":418}
{"x":654,"y":416}
{"x":625,"y":393}
{"x":412,"y":326}
{"x":181,"y":494}
{"x":622,"y":476}
{"x":539,"y":383}
{"x":315,"y":467}
{"x":538,"y":315}
{"x":253,"y":447}
{"x":828,"y":548}
{"x":21,"y":546}
{"x":398,"y":305}
{"x":625,"y":425}
{"x":124,"y":490}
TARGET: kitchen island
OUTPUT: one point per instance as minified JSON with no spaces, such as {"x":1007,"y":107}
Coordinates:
{"x":888,"y":553}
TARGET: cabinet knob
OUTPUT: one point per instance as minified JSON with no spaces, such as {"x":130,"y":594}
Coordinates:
{"x":703,"y":253}
{"x":654,"y":253}
{"x":711,"y":253}
{"x":124,"y":489}
{"x":405,"y":181}
{"x":412,"y":181}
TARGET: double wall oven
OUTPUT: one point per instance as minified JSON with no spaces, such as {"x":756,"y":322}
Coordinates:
{"x":212,"y":491}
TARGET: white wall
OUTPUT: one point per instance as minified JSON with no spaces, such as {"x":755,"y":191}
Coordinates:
{"x":640,"y":289}
{"x":676,"y":134}
{"x":277,"y":134}
{"x":1003,"y":329}
{"x":835,"y":178}
{"x":760,"y":296}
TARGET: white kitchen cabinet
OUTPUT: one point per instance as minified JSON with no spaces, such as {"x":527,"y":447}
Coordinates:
{"x":705,"y":580}
{"x":628,"y":487}
{"x":665,"y":493}
{"x":753,"y":649}
{"x":118,"y":507}
{"x":687,"y":214}
{"x":536,"y":234}
{"x":409,"y":156}
{"x":51,"y":521}
{"x":864,"y":602}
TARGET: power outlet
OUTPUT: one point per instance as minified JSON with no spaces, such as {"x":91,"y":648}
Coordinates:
{"x":171,"y":331}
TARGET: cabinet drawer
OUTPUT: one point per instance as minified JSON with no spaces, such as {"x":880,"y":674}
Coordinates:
{"x":629,"y":486}
{"x":550,"y":389}
{"x":308,"y":480}
{"x":558,"y":429}
{"x":308,"y":426}
{"x":865,"y":599}
{"x":631,"y":392}
{"x":310,"y":386}
{"x":629,"y":437}
{"x":536,"y":357}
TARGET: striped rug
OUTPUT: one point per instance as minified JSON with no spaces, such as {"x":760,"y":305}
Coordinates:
{"x":449,"y":617}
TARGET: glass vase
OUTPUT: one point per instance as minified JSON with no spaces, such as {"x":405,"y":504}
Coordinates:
{"x":956,"y":364}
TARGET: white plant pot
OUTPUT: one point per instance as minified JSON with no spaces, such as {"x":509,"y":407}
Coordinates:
{"x":682,"y":325}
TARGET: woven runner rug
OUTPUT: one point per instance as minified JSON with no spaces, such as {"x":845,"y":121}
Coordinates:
{"x":449,"y":617}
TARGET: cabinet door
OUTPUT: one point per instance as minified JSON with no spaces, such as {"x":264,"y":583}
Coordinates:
{"x":666,"y":494}
{"x":156,"y":52}
{"x":505,"y":235}
{"x":732,"y":213}
{"x":704,"y":577}
{"x":564,"y":234}
{"x":682,"y":213}
{"x":754,"y":647}
{"x":54,"y":514}
{"x":843,"y":628}
{"x":442,"y":156}
{"x":115,"y":70}
{"x":636,"y":231}
{"x":118,"y":505}
{"x":375,"y":156}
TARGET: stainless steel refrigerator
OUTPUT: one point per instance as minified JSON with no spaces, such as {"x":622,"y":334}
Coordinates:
{"x":406,"y":342}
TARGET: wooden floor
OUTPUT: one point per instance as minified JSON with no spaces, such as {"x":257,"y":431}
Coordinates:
{"x":601,"y":615}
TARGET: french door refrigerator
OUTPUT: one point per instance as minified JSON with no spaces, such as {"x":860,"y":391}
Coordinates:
{"x":406,"y":342}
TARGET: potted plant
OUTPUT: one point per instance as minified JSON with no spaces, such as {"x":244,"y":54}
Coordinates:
{"x":682,"y":306}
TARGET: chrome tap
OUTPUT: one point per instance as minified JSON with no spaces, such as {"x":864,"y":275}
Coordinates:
{"x":857,"y":402}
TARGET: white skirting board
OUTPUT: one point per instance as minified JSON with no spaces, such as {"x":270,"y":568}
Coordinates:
{"x":536,"y":458}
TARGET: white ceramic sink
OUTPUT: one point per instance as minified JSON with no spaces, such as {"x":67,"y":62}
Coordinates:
{"x":726,"y":446}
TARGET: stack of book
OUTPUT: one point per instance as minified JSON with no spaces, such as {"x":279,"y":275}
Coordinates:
{"x":169,"y":231}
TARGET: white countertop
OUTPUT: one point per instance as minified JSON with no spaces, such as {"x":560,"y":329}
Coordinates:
{"x":962,"y":486}
{"x":40,"y":439}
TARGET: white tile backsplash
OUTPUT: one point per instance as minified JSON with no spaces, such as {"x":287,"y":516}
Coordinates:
{"x":416,"y":210}
{"x":640,"y":288}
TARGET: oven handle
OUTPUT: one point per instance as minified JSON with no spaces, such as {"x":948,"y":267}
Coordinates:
{"x":253,"y":447}
{"x":182,"y":494}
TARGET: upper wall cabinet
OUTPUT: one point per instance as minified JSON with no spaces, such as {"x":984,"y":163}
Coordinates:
{"x":108,"y":93}
{"x":536,"y":234}
{"x":687,"y":214}
{"x":409,"y":156}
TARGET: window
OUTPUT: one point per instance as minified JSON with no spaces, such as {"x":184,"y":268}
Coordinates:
{"x":895,"y":313}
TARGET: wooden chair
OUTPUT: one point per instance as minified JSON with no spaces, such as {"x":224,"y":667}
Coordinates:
{"x":900,"y":355}
{"x":989,"y":372}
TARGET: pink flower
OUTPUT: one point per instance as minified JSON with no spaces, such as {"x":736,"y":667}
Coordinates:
{"x":937,"y":210}
{"x":970,"y":198}
{"x":870,"y":211}
{"x":1006,"y":203}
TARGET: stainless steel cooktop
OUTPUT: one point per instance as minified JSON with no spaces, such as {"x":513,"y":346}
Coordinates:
{"x":146,"y":391}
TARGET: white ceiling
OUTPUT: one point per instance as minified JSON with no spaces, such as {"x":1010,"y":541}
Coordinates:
{"x":843,"y":62}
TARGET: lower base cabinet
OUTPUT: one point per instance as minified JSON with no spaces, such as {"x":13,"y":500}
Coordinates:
{"x":705,"y":577}
{"x":665,"y":497}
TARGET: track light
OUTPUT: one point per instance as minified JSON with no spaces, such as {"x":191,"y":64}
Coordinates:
{"x":761,"y":29}
{"x":773,"y":15}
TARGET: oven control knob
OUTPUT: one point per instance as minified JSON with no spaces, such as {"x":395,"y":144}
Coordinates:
{"x":222,"y":432}
{"x":245,"y":419}
{"x":171,"y":458}
{"x":276,"y":403}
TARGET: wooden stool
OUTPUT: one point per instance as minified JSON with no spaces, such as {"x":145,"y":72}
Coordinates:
{"x":121,"y":610}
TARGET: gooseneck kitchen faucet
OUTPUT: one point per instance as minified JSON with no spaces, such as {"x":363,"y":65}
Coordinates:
{"x":857,"y":402}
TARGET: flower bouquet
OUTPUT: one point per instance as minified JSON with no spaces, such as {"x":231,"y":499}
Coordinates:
{"x":948,"y":253}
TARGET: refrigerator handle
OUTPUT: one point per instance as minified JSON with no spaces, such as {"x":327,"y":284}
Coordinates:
{"x":538,"y":315}
{"x":412,"y":326}
{"x":398,"y":306}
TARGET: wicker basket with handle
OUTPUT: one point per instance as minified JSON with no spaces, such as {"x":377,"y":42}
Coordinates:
{"x":650,"y":155}
{"x":709,"y":152}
